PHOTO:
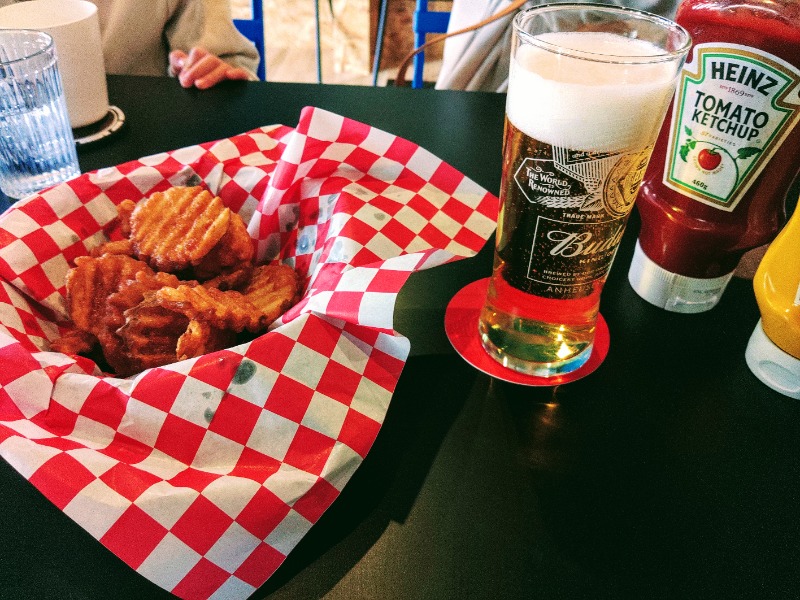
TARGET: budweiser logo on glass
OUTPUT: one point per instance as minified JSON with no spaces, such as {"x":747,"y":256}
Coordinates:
{"x":588,"y":90}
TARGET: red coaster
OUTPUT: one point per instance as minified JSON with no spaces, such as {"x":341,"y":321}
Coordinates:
{"x":461,"y":327}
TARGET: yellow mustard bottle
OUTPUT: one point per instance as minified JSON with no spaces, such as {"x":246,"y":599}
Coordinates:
{"x":773,"y":352}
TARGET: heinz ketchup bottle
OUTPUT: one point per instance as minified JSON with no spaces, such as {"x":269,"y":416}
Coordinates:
{"x":724,"y":163}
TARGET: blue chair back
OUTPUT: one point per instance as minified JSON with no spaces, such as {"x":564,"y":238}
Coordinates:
{"x":425,"y":22}
{"x":253,"y":30}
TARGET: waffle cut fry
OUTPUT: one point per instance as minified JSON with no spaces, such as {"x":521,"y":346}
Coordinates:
{"x":178,"y":228}
{"x":272,"y":289}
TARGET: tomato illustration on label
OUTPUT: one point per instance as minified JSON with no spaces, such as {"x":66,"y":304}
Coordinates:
{"x":709,"y":159}
{"x":709,"y":156}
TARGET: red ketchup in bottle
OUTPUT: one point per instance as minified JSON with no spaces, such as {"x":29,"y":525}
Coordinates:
{"x":723,"y":164}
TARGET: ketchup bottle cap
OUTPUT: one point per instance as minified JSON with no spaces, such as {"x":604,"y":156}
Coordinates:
{"x":671,"y":291}
{"x":776,"y":368}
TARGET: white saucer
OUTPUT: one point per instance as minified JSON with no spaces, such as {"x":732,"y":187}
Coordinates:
{"x":94,"y":132}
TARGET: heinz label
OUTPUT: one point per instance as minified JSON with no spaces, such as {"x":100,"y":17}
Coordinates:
{"x":733,"y":108}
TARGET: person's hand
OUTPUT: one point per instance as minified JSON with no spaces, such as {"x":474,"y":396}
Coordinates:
{"x":202,"y":69}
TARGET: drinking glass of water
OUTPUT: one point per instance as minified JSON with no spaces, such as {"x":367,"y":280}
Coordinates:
{"x":37,"y":148}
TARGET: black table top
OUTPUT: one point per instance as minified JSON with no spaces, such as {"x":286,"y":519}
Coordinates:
{"x":670,"y":472}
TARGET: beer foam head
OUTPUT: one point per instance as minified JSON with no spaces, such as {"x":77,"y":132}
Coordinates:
{"x":592,"y":98}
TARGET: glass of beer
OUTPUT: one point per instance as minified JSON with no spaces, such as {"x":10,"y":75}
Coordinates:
{"x":588,"y":89}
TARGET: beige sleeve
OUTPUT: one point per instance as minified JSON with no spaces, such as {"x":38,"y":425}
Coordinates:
{"x":208,"y":24}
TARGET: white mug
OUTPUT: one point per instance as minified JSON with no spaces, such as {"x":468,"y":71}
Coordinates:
{"x":75,"y":29}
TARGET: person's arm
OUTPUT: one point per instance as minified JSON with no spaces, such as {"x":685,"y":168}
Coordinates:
{"x":205,"y":46}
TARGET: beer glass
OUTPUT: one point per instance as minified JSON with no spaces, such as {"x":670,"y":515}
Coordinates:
{"x":588,"y":89}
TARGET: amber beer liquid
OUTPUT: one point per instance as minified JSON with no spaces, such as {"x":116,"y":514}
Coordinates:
{"x":579,"y":131}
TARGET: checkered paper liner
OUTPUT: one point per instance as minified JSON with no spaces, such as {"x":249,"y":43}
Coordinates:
{"x":204,"y":474}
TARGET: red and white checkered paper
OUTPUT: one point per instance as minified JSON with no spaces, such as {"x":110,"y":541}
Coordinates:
{"x":204,"y":474}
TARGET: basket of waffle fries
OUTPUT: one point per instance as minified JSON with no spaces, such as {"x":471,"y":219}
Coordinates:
{"x":197,"y":347}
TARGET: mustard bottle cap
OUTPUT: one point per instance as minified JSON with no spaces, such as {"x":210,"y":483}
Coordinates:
{"x":774,"y":367}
